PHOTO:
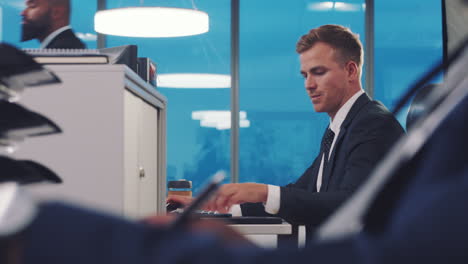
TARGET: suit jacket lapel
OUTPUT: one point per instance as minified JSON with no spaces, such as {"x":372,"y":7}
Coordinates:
{"x":313,"y":175}
{"x":327,"y":174}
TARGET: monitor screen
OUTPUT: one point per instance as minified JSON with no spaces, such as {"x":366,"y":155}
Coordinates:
{"x":126,"y":54}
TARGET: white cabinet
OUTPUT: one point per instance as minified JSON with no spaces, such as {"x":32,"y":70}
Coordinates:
{"x":141,"y":144}
{"x":111,"y":154}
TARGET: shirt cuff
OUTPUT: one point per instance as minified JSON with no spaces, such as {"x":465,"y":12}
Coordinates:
{"x":272,"y":204}
{"x":235,"y":210}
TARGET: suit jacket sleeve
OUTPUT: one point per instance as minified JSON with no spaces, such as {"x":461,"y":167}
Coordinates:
{"x":366,"y":142}
{"x":66,"y":40}
{"x":258,"y":209}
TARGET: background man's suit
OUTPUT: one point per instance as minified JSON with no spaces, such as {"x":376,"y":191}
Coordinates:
{"x":66,"y":40}
{"x":366,"y":134}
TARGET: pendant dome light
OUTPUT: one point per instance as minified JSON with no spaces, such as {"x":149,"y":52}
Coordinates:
{"x":151,"y":22}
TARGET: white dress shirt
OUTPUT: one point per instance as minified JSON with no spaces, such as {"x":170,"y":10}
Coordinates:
{"x":272,"y":204}
{"x":52,"y":35}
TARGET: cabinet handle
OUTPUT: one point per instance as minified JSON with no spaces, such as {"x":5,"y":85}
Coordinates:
{"x":141,"y":172}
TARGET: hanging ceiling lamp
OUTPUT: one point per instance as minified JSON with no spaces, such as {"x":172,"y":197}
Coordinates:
{"x":151,"y":22}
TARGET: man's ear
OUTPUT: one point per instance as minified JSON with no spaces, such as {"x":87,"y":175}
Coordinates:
{"x":352,"y":70}
{"x":58,"y":12}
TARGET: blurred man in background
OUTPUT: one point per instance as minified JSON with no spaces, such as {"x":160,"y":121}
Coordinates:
{"x":49,"y":22}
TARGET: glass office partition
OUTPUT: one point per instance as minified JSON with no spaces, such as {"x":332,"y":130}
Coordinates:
{"x":198,"y":135}
{"x":279,"y":131}
{"x":82,"y":21}
{"x":408,"y":41}
{"x":284,"y":133}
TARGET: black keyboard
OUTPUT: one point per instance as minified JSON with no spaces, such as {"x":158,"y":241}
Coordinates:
{"x":250,"y":220}
{"x":205,"y":214}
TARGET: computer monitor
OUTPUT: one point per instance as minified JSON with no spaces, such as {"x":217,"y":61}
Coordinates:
{"x":126,"y":54}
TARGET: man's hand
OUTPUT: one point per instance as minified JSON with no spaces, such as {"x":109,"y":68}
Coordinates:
{"x":237,"y":193}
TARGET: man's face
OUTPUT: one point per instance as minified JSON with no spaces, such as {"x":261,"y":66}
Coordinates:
{"x":36,"y":19}
{"x":325,"y":79}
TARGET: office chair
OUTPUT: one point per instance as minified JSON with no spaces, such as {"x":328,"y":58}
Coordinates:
{"x":418,"y":106}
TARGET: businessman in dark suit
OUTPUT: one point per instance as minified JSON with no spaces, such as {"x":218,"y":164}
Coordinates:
{"x":360,"y":133}
{"x":49,"y":22}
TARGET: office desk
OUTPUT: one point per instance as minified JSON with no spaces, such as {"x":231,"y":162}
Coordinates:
{"x":264,"y":235}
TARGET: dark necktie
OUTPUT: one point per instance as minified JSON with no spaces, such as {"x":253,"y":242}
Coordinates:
{"x":327,"y":141}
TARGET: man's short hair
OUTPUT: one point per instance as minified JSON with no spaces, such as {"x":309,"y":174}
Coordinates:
{"x":342,"y":39}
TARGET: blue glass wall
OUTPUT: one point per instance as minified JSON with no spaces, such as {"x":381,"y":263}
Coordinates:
{"x":408,"y":41}
{"x":283,"y":135}
{"x":82,"y":21}
{"x":194,"y":152}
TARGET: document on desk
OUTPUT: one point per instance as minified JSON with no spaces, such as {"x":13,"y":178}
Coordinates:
{"x":68,"y":56}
